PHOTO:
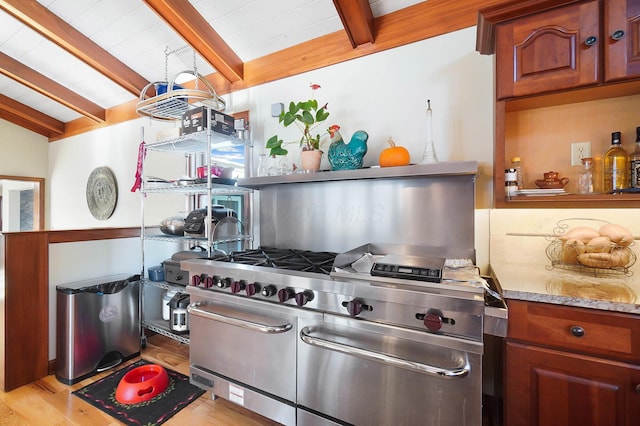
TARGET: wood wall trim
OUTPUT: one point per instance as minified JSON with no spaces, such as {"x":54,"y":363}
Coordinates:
{"x":70,"y":236}
{"x":415,"y":23}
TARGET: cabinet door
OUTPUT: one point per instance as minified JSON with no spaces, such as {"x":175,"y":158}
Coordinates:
{"x":548,"y":387}
{"x":550,"y":51}
{"x":622,"y":39}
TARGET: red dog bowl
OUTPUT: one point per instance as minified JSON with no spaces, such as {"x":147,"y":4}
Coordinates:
{"x":141,"y":384}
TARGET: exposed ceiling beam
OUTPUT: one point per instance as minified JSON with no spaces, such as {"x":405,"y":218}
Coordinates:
{"x":357,"y":19}
{"x":196,"y":31}
{"x":40,"y":19}
{"x":25,"y":113}
{"x":50,"y":88}
{"x":19,"y":121}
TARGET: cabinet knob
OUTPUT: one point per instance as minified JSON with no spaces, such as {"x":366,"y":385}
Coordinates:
{"x":617,"y":35}
{"x":577,"y":331}
{"x":591,"y":40}
{"x":637,"y":388}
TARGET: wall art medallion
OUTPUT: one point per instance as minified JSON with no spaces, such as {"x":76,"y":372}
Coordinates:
{"x":102,"y":193}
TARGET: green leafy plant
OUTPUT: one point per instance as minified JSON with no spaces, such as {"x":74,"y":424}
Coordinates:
{"x":306,"y":116}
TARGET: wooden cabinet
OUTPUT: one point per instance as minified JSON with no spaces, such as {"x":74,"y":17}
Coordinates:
{"x":566,"y":71}
{"x":564,"y":48}
{"x":571,"y":366}
{"x":549,"y":51}
{"x":621,"y":39}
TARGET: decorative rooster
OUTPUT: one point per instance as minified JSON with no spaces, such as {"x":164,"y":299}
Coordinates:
{"x":343,"y":156}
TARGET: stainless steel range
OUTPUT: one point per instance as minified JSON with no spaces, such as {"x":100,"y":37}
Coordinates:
{"x":319,"y":326}
{"x":314,"y":338}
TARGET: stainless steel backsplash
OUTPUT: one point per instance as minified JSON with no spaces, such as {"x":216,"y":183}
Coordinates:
{"x":338,"y":215}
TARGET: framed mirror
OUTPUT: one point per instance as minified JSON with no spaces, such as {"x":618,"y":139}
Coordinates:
{"x":21,"y":203}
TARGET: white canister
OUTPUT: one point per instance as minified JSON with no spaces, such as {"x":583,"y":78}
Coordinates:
{"x":166,"y":298}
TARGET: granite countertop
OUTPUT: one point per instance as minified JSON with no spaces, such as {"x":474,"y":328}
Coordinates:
{"x":540,"y":283}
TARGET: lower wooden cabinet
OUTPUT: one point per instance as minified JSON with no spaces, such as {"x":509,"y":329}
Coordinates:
{"x":550,"y":387}
{"x":562,"y":369}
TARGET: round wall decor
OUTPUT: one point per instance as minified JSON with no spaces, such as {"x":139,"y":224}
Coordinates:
{"x":102,"y":193}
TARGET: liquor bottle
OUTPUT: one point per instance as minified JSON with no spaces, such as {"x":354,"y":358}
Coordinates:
{"x":585,"y":178}
{"x":635,"y":162}
{"x":515,"y":163}
{"x":616,"y":165}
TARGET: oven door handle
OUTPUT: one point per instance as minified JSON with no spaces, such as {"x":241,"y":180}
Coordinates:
{"x":196,"y":309}
{"x":444,"y":373}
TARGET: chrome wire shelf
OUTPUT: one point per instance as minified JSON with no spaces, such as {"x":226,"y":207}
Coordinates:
{"x":182,"y":239}
{"x":196,"y":188}
{"x":193,"y":143}
{"x":170,"y":105}
{"x":160,"y":328}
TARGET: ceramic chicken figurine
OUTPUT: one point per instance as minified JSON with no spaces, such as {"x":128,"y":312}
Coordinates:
{"x":347,"y":156}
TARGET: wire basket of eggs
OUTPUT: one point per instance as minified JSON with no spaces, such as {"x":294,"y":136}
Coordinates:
{"x":601,"y":249}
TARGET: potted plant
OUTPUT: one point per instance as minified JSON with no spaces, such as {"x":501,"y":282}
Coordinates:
{"x":306,"y":115}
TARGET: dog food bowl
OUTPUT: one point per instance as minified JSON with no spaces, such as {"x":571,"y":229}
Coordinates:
{"x":141,"y":384}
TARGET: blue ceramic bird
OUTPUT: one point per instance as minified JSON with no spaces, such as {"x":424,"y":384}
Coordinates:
{"x":343,"y":156}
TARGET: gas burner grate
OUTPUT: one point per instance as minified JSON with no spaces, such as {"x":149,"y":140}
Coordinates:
{"x":292,"y":259}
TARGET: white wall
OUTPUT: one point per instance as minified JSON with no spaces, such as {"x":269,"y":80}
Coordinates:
{"x":24,"y":153}
{"x":384,"y":94}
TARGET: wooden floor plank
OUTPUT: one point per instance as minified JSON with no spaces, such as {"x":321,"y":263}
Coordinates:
{"x":50,"y":402}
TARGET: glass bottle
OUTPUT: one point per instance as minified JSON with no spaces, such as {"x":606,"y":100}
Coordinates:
{"x":585,"y":178}
{"x":616,"y":165}
{"x":429,"y":156}
{"x":262,"y":165}
{"x":635,"y":162}
{"x":515,"y":164}
{"x":272,"y":169}
{"x":510,"y":183}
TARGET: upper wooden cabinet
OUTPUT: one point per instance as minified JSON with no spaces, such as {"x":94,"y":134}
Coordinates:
{"x":621,"y":39}
{"x":549,"y":51}
{"x":566,"y":71}
{"x":565,"y":48}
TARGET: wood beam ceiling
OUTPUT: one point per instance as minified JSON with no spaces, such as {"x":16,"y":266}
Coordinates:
{"x":41,"y":20}
{"x":357,"y":19}
{"x":363,"y":35}
{"x":197,"y":32}
{"x":49,"y":88}
{"x":37,"y":121}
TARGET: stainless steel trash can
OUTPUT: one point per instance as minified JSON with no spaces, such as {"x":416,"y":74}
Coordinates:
{"x":98,"y":325}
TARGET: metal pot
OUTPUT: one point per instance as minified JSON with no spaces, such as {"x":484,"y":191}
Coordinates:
{"x":173,"y":226}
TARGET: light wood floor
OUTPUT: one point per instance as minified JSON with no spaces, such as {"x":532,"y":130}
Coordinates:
{"x":49,"y":402}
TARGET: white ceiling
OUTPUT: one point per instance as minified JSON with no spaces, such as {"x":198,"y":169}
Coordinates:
{"x":130,"y":31}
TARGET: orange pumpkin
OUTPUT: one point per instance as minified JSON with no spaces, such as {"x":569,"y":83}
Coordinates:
{"x":394,"y":155}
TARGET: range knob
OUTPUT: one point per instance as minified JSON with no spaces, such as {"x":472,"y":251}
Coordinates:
{"x":196,"y":280}
{"x":356,"y":306}
{"x":285,"y":294}
{"x":223,"y":282}
{"x":208,"y":281}
{"x":252,"y":288}
{"x":432,"y":321}
{"x":268,"y":290}
{"x":238,"y":286}
{"x":303,"y":297}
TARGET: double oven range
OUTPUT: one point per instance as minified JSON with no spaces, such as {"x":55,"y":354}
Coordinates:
{"x":303,"y":338}
{"x":361,"y":304}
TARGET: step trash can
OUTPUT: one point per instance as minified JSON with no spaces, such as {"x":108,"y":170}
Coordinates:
{"x":98,"y":325}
